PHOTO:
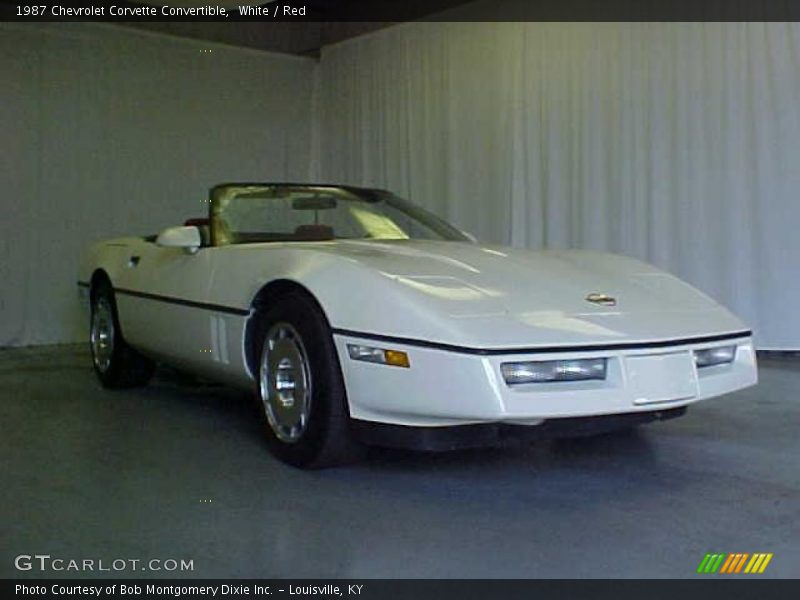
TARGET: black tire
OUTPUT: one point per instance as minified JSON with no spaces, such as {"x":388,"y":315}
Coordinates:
{"x":119,"y":366}
{"x":325,"y":439}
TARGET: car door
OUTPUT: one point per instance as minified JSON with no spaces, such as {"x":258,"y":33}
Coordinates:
{"x":160,"y":296}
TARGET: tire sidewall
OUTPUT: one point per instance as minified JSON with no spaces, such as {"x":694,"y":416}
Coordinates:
{"x":327,"y":391}
{"x":110,"y":375}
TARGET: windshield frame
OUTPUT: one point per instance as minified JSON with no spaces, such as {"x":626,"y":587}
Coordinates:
{"x":222,"y":192}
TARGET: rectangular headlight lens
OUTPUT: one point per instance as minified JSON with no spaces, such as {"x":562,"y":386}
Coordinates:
{"x":394,"y":358}
{"x":714,"y":356}
{"x":554,"y":370}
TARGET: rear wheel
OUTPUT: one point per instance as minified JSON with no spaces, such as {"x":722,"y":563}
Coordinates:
{"x":300,"y":386}
{"x":116,"y":364}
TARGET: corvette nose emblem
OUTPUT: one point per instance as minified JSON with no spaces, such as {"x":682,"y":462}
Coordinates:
{"x":601,"y":299}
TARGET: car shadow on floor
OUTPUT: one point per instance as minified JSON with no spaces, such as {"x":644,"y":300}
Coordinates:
{"x":548,"y":471}
{"x":241,"y":412}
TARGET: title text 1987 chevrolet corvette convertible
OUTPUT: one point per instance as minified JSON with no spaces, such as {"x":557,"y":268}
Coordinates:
{"x":359,"y":317}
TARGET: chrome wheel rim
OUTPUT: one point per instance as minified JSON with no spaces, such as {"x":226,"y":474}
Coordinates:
{"x":102,"y":334}
{"x":285,"y":382}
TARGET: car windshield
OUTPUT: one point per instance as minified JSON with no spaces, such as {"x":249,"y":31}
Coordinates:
{"x":275,"y":213}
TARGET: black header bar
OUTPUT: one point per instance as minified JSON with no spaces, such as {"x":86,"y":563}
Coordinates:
{"x":406,"y":10}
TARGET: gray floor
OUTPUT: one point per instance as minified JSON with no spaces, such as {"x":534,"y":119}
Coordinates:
{"x":179,"y":470}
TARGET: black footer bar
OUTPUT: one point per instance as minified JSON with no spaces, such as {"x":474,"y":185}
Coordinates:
{"x":741,"y":587}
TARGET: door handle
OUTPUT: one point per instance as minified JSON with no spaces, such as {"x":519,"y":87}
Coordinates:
{"x":134,"y":261}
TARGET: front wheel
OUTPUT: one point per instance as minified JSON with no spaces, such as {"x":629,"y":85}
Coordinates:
{"x":300,"y":386}
{"x":116,"y":364}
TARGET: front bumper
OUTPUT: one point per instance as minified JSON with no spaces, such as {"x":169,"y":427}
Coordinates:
{"x":479,"y":435}
{"x":446,"y":388}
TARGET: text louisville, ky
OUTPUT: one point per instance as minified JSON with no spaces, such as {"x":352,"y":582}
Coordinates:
{"x":178,"y":591}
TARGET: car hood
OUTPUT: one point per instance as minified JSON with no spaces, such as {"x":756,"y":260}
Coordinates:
{"x":496,"y":296}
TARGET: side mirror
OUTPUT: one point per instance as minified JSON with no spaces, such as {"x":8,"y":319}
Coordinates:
{"x":187,"y":238}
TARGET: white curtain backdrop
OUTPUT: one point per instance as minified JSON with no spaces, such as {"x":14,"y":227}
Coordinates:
{"x":678,"y":143}
{"x":106,"y":132}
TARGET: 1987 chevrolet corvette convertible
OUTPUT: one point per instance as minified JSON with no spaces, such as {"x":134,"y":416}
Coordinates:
{"x":358,"y":317}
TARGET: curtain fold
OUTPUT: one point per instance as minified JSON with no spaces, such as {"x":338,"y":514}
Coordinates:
{"x":673,"y":142}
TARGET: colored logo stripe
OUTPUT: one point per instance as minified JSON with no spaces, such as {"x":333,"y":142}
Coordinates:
{"x":728,"y":563}
{"x":734,"y":562}
{"x":710,"y":563}
{"x":758,"y":563}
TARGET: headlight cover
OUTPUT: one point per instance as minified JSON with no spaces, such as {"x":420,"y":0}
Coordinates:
{"x":719,"y":355}
{"x":549,"y":371}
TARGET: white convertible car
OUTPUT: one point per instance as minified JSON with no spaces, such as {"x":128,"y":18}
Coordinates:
{"x":358,"y":317}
